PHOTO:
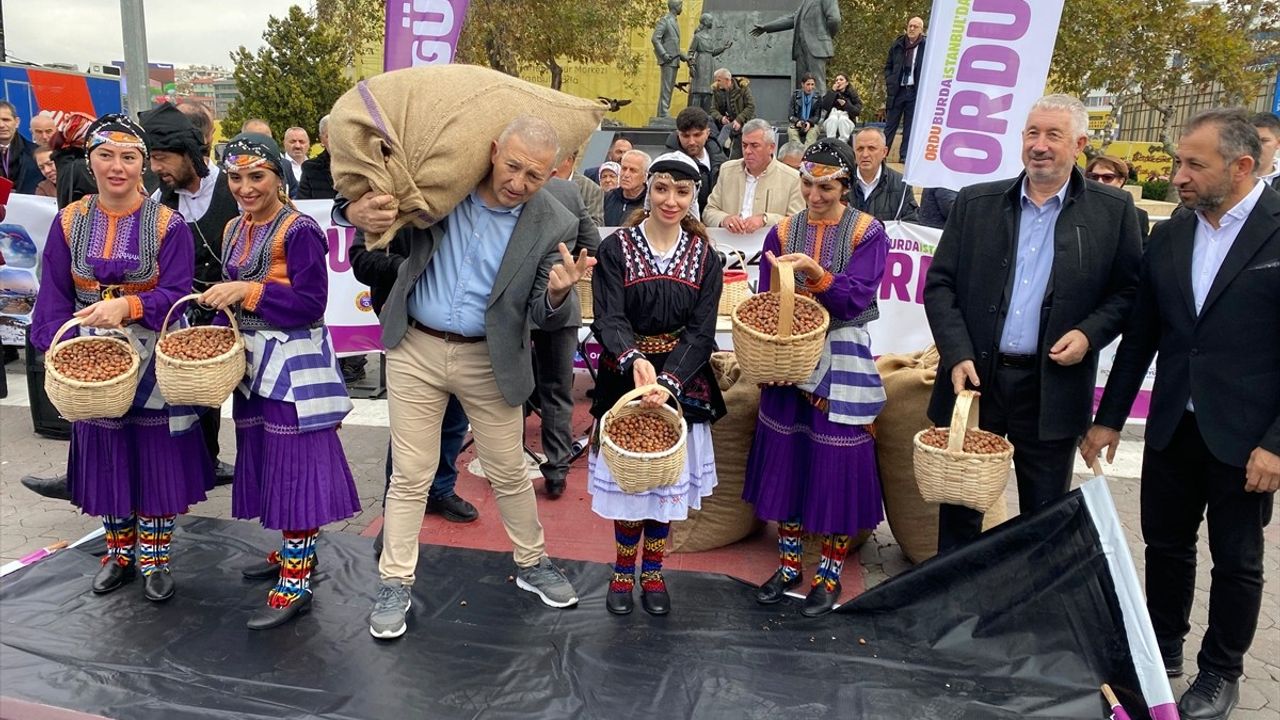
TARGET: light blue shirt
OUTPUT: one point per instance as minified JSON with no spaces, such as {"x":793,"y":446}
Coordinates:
{"x":1031,"y":272}
{"x":453,"y":291}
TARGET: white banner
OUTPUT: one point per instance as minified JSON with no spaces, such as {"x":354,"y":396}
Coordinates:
{"x":902,"y":327}
{"x":985,"y":63}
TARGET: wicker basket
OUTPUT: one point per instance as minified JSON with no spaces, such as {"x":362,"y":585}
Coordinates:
{"x":585,"y":298}
{"x":80,"y":400}
{"x":203,"y":383}
{"x":737,"y":284}
{"x":955,"y":477}
{"x":638,"y":472}
{"x":781,"y":358}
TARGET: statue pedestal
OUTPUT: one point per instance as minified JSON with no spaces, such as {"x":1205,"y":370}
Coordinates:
{"x":664,"y":123}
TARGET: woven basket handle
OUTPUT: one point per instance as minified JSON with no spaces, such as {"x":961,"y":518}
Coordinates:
{"x":640,"y":392}
{"x":963,"y":416}
{"x":742,"y":257}
{"x":74,"y":321}
{"x":784,"y":283}
{"x":164,"y":329}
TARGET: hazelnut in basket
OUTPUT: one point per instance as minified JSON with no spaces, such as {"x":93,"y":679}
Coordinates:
{"x":93,"y":360}
{"x":198,"y":343}
{"x":761,"y":312}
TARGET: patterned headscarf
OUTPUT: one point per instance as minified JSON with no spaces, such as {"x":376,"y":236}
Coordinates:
{"x":679,"y":167}
{"x":117,"y":130}
{"x":614,"y":167}
{"x":250,"y":150}
{"x":828,"y":159}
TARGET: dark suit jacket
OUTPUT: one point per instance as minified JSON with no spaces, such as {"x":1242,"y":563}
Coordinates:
{"x":23,"y":171}
{"x":1226,"y":360}
{"x":886,"y":197}
{"x":896,"y":63}
{"x":1095,"y":270}
{"x":317,"y":179}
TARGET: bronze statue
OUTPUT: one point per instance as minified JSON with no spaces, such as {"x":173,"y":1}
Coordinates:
{"x":666,"y":47}
{"x":816,"y":23}
{"x":702,"y":53}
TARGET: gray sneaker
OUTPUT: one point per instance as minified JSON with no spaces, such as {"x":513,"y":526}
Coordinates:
{"x":547,"y":582}
{"x":389,"y":608}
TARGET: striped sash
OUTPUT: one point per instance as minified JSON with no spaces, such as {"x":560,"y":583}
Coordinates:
{"x":300,"y":367}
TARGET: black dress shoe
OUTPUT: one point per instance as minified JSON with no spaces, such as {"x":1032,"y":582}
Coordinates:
{"x":820,"y":601}
{"x":1210,"y":697}
{"x":656,"y":602}
{"x":111,"y":576}
{"x":267,"y":569}
{"x":555,"y":487}
{"x":223,"y":473}
{"x":774,"y":589}
{"x":453,"y":509}
{"x":619,"y":603}
{"x":51,"y":487}
{"x":267,"y":617}
{"x":158,"y":586}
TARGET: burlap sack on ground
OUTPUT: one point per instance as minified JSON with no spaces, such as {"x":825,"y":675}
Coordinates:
{"x":908,"y":381}
{"x":423,"y":134}
{"x":725,"y":517}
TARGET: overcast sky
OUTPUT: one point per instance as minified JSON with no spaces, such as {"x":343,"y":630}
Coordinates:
{"x":182,"y":32}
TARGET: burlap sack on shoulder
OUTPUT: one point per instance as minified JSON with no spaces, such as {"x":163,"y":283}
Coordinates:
{"x":908,"y":382}
{"x":423,"y":134}
{"x":725,"y":518}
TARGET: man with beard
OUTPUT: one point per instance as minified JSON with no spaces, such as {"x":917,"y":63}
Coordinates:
{"x":1208,"y":312}
{"x":200,"y":193}
{"x":1031,"y":278}
{"x":693,"y":129}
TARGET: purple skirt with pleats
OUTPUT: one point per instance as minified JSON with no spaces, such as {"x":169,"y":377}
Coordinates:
{"x":132,"y":465}
{"x":804,"y":467}
{"x":288,"y":479}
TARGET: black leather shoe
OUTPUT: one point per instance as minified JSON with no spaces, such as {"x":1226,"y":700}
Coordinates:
{"x":158,"y":586}
{"x":555,"y":487}
{"x":1172,"y":663}
{"x":453,"y":509}
{"x":619,"y":603}
{"x":268,"y":569}
{"x":820,"y":601}
{"x":51,"y":487}
{"x":223,"y":473}
{"x":774,"y":589}
{"x":657,"y":602}
{"x":111,"y":576}
{"x":267,"y":617}
{"x":1210,"y":697}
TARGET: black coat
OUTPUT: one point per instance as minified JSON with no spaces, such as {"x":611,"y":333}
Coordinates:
{"x":896,"y":63}
{"x":852,"y":102}
{"x":886,"y":197}
{"x":1092,"y":288}
{"x":23,"y":170}
{"x":74,"y":180}
{"x":715,"y":154}
{"x":1226,"y":360}
{"x":207,"y":230}
{"x":317,"y":179}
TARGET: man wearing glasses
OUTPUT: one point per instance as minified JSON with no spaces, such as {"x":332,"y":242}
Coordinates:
{"x":1115,"y":172}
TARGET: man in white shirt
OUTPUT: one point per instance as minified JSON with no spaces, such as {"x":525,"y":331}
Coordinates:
{"x":296,"y":148}
{"x":756,"y":191}
{"x":880,"y":191}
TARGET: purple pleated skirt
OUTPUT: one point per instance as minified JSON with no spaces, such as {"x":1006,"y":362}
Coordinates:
{"x":804,"y":467}
{"x":132,"y":465}
{"x":288,"y":479}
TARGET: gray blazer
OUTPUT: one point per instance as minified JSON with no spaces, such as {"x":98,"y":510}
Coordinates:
{"x":518,"y":300}
{"x":815,"y":23}
{"x":666,"y":41}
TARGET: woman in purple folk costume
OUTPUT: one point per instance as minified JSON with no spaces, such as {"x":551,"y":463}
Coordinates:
{"x":291,"y":472}
{"x":116,"y":259}
{"x":812,"y":466}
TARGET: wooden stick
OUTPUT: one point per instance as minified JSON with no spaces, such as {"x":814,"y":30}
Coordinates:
{"x":1109,"y":695}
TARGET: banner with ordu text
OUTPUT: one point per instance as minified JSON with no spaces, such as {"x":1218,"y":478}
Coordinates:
{"x":422,"y":32}
{"x":985,"y":63}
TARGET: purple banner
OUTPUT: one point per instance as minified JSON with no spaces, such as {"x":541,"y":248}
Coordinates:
{"x":422,"y":32}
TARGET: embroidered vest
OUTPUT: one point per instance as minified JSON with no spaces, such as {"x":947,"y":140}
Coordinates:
{"x":794,"y":232}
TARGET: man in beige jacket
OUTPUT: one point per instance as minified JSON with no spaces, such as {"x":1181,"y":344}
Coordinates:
{"x":757,"y":191}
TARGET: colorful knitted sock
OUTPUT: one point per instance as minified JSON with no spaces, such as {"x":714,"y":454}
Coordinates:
{"x":297,"y":557}
{"x":121,"y":533}
{"x":655,"y":546}
{"x":626,"y":536}
{"x":834,"y":550}
{"x":154,"y":535}
{"x":791,"y":549}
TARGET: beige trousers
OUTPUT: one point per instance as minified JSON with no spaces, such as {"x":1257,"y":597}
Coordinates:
{"x":422,"y":371}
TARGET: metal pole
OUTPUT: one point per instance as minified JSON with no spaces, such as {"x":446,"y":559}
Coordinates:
{"x":137,"y":70}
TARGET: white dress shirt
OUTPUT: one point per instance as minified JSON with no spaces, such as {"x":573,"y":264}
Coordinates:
{"x":749,"y":194}
{"x":868,"y":187}
{"x":193,"y":205}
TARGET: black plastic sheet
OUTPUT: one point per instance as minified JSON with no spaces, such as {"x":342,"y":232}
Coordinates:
{"x":1023,"y":624}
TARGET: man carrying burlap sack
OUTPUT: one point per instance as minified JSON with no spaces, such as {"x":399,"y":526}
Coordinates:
{"x":457,"y":322}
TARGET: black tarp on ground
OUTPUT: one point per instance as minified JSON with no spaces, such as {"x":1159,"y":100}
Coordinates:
{"x":1023,"y":624}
